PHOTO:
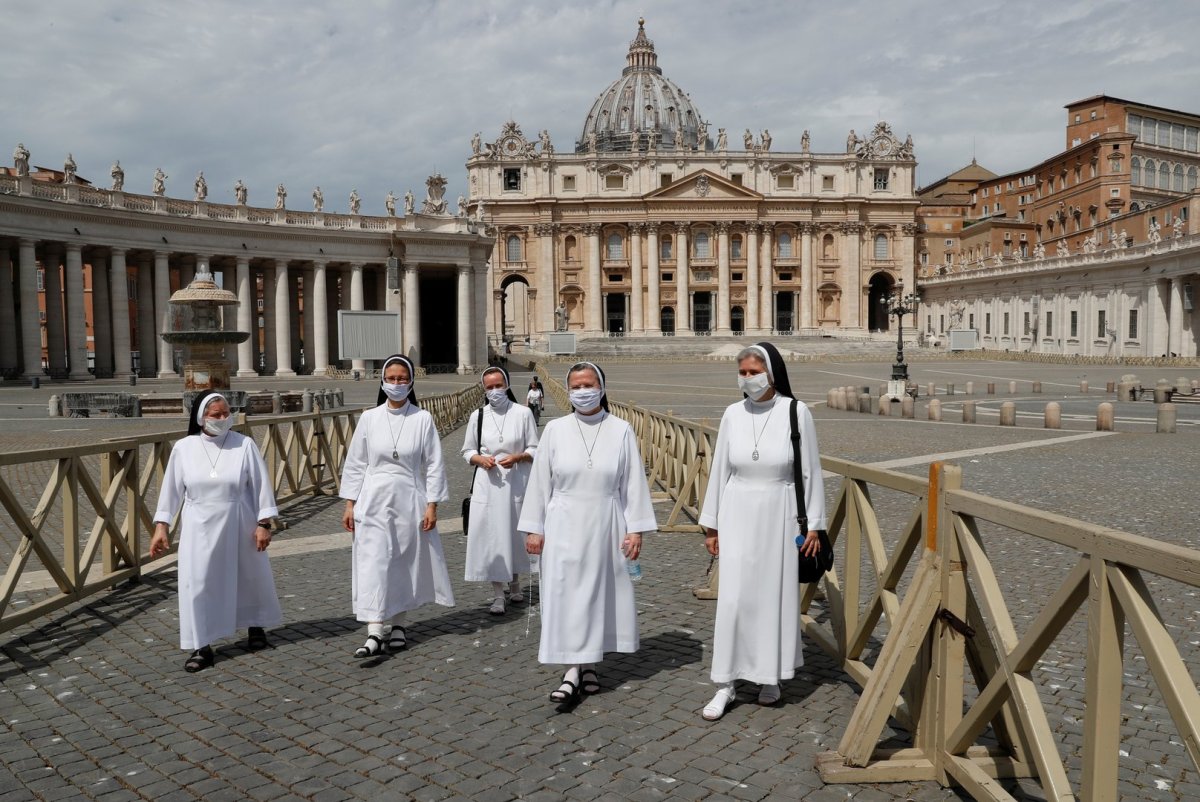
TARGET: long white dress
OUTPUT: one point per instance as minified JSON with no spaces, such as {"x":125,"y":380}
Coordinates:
{"x":396,"y":566}
{"x":225,"y":583}
{"x":495,"y":549}
{"x":752,"y":505}
{"x":585,"y":512}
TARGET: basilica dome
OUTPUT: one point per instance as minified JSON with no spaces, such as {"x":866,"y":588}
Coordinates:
{"x":641,"y":106}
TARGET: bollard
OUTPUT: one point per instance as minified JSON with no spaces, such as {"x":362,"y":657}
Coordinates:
{"x":839,"y":397}
{"x":882,"y":390}
{"x":932,"y":390}
{"x":864,"y":403}
{"x":885,"y":405}
{"x":276,"y":403}
{"x":968,"y":411}
{"x":357,"y":377}
{"x":1083,"y":387}
{"x":1012,"y":388}
{"x":1037,"y":387}
{"x":1162,"y":391}
{"x":1166,"y":419}
{"x":137,"y":407}
{"x":1008,"y":414}
{"x":991,"y":388}
{"x":935,"y":409}
{"x":1110,"y":387}
{"x":55,"y":405}
{"x":35,"y":382}
{"x":1182,"y":385}
{"x":133,"y":380}
{"x":1124,"y":391}
{"x":306,"y":400}
{"x":831,"y":399}
{"x":949,"y":389}
{"x":970,"y":388}
{"x":1053,"y":417}
{"x":907,"y":406}
{"x":1104,"y":417}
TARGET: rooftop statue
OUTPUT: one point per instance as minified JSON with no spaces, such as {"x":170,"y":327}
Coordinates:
{"x":355,"y":201}
{"x":160,"y":182}
{"x":118,"y":177}
{"x":240,"y":192}
{"x":805,"y":142}
{"x":21,"y":159}
{"x":280,"y":197}
{"x":410,"y":203}
{"x":766,"y":139}
{"x":69,"y":168}
{"x":722,"y":139}
{"x":476,"y":144}
{"x":318,"y":200}
{"x":389,"y":203}
{"x":199,"y":185}
{"x":748,"y":140}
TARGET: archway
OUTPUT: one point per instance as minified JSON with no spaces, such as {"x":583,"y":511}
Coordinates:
{"x":666,"y":320}
{"x":737,"y":320}
{"x":881,"y":286}
{"x":516,"y":315}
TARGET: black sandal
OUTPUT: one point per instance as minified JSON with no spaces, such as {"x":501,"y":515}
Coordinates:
{"x":397,"y":641}
{"x":565,"y":697}
{"x":589,"y":686}
{"x":199,"y":660}
{"x":256,"y":639}
{"x":371,"y":648}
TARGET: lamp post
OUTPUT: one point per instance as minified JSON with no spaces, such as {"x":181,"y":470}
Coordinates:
{"x":899,"y":304}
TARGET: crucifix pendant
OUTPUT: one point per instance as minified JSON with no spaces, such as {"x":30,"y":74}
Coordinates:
{"x":501,"y":438}
{"x":213,"y":475}
{"x":754,"y":456}
{"x":589,"y":462}
{"x":396,"y":455}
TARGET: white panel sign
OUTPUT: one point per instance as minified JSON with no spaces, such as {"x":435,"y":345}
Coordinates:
{"x":368,"y":335}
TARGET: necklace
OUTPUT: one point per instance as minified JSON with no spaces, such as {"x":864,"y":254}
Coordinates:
{"x":499,"y":426}
{"x":761,"y":432}
{"x":396,"y":435}
{"x":213,"y":462}
{"x":596,"y":439}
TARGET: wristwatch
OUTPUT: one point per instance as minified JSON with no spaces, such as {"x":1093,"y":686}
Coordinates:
{"x":265,"y":524}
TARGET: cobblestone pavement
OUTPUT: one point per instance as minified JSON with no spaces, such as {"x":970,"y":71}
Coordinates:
{"x":95,"y":704}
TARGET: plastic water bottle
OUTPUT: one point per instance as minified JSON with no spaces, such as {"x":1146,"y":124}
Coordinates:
{"x":634,"y":569}
{"x":535,"y":563}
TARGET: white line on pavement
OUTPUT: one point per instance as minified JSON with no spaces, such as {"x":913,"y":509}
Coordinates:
{"x":975,"y":452}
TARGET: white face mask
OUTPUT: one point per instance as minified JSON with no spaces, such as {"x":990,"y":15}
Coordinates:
{"x":586,"y":399}
{"x":498,"y":397}
{"x":215,"y":427}
{"x":755,"y":386}
{"x":396,"y":392}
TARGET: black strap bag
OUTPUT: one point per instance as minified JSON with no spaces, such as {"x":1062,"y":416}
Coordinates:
{"x":466,"y":502}
{"x":814,"y":567}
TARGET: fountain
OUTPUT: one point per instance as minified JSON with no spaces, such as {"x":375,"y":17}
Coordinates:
{"x":195,"y":323}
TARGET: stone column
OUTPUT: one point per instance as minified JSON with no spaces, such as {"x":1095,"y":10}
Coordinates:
{"x":162,"y":314}
{"x":319,"y":315}
{"x":119,"y":280}
{"x":594,"y":321}
{"x":723,"y":327}
{"x":768,"y":280}
{"x":147,"y":350}
{"x":356,"y":303}
{"x":751,"y":317}
{"x":808,"y":290}
{"x":545,"y":279}
{"x":1175,"y":318}
{"x":636,"y":317}
{"x":283,"y":320}
{"x":653,"y":302}
{"x":247,"y":318}
{"x":412,"y":313}
{"x":77,"y":350}
{"x":683,"y":310}
{"x":31,"y":323}
{"x":852,"y":277}
{"x":465,"y":310}
{"x":8,"y":312}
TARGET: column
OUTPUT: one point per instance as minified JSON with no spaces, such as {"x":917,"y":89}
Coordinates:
{"x":767,"y":310}
{"x":752,"y":299}
{"x":356,"y":303}
{"x":683,"y":305}
{"x":723,"y":326}
{"x":852,"y":277}
{"x":547,"y":296}
{"x":310,"y":321}
{"x":147,"y":350}
{"x":626,"y":308}
{"x":246,"y":318}
{"x":283,"y":320}
{"x":412,"y":313}
{"x":102,"y":343}
{"x":594,"y":321}
{"x":77,"y":350}
{"x":52,"y":264}
{"x":465,"y":311}
{"x":653,"y":302}
{"x":31,"y":322}
{"x":808,"y":290}
{"x":1175,"y":319}
{"x":635,"y":316}
{"x":319,"y":315}
{"x":8,"y":312}
{"x":118,"y":279}
{"x":162,"y":313}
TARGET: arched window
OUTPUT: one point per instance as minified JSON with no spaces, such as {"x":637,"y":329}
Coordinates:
{"x":1135,"y":171}
{"x":512,"y":248}
{"x":1164,"y":176}
{"x":1134,"y":207}
{"x":702,"y":248}
{"x":881,"y":247}
{"x":1191,"y":179}
{"x":785,"y":245}
{"x":664,"y":248}
{"x":735,"y":246}
{"x":615,"y":246}
{"x":1177,"y":176}
{"x":569,"y":246}
{"x":1150,"y":168}
{"x":827,"y":251}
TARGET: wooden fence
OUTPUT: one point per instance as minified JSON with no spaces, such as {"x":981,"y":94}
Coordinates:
{"x":69,"y":506}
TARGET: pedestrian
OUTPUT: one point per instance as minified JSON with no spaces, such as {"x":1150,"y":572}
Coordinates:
{"x":225,"y":581}
{"x":393,"y":480}
{"x":750,"y":521}
{"x":534,"y":399}
{"x":501,"y":439}
{"x":585,"y":511}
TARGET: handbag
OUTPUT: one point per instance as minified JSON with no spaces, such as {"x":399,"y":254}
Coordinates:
{"x":466,"y":502}
{"x":812,"y":568}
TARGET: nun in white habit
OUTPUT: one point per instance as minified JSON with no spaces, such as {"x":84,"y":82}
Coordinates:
{"x":393,"y":480}
{"x":749,"y":516}
{"x":500,"y":442}
{"x":225,"y":580}
{"x":585,"y":511}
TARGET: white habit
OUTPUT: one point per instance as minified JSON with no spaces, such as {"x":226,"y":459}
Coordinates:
{"x":587,"y":596}
{"x":396,"y":566}
{"x":225,"y":583}
{"x":752,"y":505}
{"x":495,"y":549}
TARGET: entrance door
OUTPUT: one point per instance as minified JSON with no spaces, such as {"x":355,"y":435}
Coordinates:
{"x":737,"y":320}
{"x":783,"y":312}
{"x":614,"y":314}
{"x":666,"y":320}
{"x":877,"y":308}
{"x":439,"y":341}
{"x":702,"y":312}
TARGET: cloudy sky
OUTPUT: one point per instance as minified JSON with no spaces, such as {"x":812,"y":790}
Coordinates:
{"x":376,"y":95}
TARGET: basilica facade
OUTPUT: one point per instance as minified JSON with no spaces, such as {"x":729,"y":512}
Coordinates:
{"x":651,"y":223}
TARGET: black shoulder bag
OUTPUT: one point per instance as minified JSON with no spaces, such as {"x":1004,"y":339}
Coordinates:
{"x":814,"y":567}
{"x":466,"y":503}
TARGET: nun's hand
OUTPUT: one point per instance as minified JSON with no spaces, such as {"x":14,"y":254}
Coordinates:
{"x":534,"y":543}
{"x":430,"y":519}
{"x":632,"y":546}
{"x":509,"y":460}
{"x":812,"y":543}
{"x":262,"y":538}
{"x":484,"y":461}
{"x":712,"y":542}
{"x":159,"y":544}
{"x":348,"y":517}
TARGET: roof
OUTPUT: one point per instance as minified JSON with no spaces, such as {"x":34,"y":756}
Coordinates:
{"x":1134,"y":103}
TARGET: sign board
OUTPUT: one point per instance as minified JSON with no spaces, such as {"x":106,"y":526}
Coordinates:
{"x":964,"y":340}
{"x":561,"y":342}
{"x":368,"y":335}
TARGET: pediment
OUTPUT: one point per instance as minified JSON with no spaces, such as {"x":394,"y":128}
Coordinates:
{"x":703,"y":185}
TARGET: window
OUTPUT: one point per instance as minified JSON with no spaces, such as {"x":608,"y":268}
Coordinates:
{"x":1093,"y":116}
{"x":987,"y":323}
{"x":1164,"y":176}
{"x":785,"y":182}
{"x":1115,"y":192}
{"x":1191,"y":179}
{"x":668,"y":276}
{"x":929,"y":323}
{"x":1133,"y":324}
{"x":701,"y":246}
{"x":42,"y":315}
{"x":512,"y":179}
{"x":512,"y":248}
{"x":1025,"y":323}
{"x":735,"y":247}
{"x":1006,"y":324}
{"x":785,"y":245}
{"x":736,"y":178}
{"x":1074,"y":323}
{"x":614,"y":278}
{"x":1100,"y":331}
{"x":736,"y":277}
{"x":1178,"y":178}
{"x":665,"y":179}
{"x":1190,"y":140}
{"x":1049,"y":324}
{"x":41,"y":279}
{"x":949,"y":243}
{"x":971,"y":320}
{"x":925,"y":257}
{"x":881,"y":247}
{"x":615,"y":246}
{"x":1149,"y":181}
{"x":827,"y":183}
{"x":881,"y":178}
{"x":614,"y":181}
{"x":664,"y":248}
{"x":785,"y":276}
{"x":569,"y":183}
{"x":569,"y":248}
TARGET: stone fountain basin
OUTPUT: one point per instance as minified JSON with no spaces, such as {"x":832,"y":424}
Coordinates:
{"x":205,"y":337}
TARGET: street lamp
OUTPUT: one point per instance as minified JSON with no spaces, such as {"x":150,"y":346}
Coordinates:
{"x":899,"y":304}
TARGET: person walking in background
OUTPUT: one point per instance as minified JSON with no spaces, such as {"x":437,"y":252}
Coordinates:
{"x":750,"y":520}
{"x":225,"y":580}
{"x":393,"y":480}
{"x":500,"y":442}
{"x":585,"y":510}
{"x":535,"y":398}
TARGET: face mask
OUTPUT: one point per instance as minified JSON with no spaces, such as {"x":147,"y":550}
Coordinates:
{"x":586,"y":399}
{"x":396,"y":392}
{"x":215,"y":427}
{"x":755,"y":386}
{"x":497,"y":398}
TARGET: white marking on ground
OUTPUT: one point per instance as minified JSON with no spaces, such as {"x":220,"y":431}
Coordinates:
{"x":972,"y":452}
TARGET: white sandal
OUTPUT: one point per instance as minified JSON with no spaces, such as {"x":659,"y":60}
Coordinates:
{"x":721,"y":699}
{"x":769,"y":695}
{"x":497,"y":607}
